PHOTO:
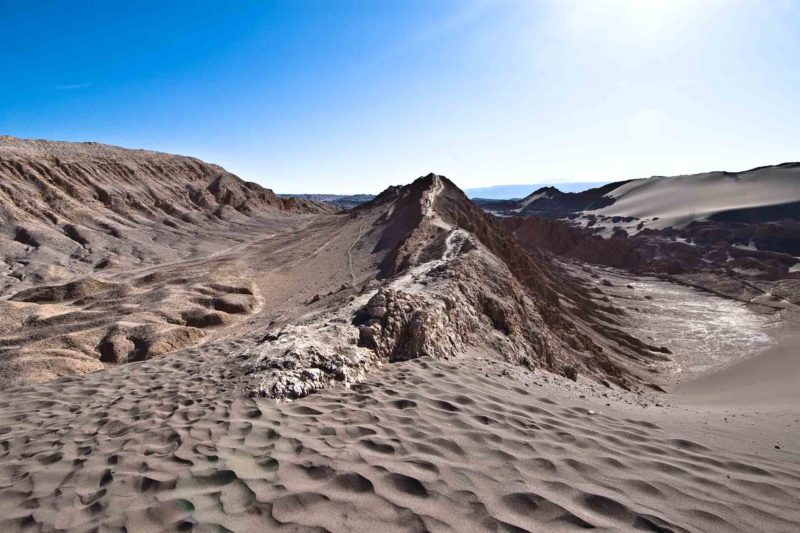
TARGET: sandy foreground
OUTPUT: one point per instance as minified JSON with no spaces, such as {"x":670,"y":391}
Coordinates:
{"x":476,"y":445}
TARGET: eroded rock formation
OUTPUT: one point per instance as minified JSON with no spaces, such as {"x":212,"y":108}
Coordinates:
{"x":450,"y":278}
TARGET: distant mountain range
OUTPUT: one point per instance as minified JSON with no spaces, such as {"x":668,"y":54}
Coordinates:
{"x":343,"y":201}
{"x":496,"y":192}
{"x":506,"y":192}
{"x":762,"y":194}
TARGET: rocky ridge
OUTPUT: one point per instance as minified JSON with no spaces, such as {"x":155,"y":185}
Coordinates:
{"x":451,"y":278}
{"x":87,"y":236}
{"x":68,"y":209}
{"x":172,"y":252}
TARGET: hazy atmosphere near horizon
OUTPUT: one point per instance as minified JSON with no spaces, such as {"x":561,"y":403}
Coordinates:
{"x":352,"y":96}
{"x":360,"y":266}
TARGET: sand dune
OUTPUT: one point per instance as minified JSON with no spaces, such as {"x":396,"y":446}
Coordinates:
{"x":677,"y":201}
{"x":769,"y":378}
{"x":769,"y":193}
{"x":423,"y":445}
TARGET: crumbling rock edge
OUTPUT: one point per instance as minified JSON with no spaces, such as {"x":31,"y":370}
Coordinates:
{"x":436,"y":309}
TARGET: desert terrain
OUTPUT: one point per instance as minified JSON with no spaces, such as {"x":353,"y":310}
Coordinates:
{"x":183,"y":350}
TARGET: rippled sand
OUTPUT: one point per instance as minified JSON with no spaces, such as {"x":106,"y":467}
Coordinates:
{"x":475,"y":446}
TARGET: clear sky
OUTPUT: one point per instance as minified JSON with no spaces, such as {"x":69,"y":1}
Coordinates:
{"x":352,"y":96}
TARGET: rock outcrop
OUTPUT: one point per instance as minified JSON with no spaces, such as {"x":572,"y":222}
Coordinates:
{"x":450,"y":278}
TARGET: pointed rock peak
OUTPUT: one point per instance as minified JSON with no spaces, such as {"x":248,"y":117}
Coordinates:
{"x":427,"y":179}
{"x":435,"y":180}
{"x":430,"y":186}
{"x":543,"y":190}
{"x":423,"y":183}
{"x":436,"y":186}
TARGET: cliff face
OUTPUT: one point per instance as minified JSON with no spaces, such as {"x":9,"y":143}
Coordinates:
{"x":85,"y":233}
{"x":71,"y":180}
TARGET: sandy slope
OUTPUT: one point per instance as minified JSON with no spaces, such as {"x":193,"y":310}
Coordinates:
{"x":110,"y":255}
{"x":676,"y":201}
{"x":473,"y":446}
{"x":768,"y":379}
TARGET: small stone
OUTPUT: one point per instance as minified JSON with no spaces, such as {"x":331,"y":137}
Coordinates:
{"x":570,"y":372}
{"x":376,"y":311}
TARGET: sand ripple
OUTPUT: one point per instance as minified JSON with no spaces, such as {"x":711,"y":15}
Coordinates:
{"x":423,"y":445}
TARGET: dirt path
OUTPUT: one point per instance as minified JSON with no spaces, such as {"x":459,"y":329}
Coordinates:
{"x":350,"y":254}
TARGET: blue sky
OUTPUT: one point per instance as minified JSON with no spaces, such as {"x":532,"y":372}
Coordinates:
{"x":352,"y":96}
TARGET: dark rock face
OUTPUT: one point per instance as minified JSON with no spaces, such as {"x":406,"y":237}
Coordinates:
{"x":756,"y":215}
{"x":700,"y":246}
{"x":563,"y":239}
{"x":725,"y":257}
{"x":780,"y":236}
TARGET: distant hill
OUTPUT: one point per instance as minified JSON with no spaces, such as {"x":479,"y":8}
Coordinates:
{"x":761,"y":194}
{"x":497,"y":192}
{"x":342,"y":201}
{"x":508,"y":192}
